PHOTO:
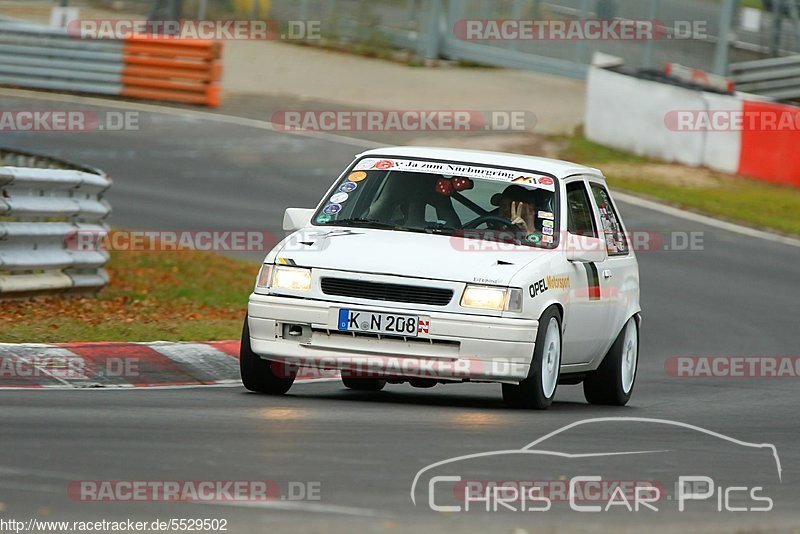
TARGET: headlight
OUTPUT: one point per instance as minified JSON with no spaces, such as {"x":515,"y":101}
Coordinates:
{"x":291,"y":278}
{"x":492,"y":298}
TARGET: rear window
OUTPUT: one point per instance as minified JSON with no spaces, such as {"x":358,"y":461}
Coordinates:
{"x":616,"y":240}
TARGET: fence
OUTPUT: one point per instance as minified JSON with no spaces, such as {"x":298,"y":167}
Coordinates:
{"x":44,"y":203}
{"x":185,"y":71}
{"x":702,"y":35}
{"x":777,"y":78}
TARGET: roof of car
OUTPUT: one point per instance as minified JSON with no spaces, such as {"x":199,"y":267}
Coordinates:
{"x":557,"y":168}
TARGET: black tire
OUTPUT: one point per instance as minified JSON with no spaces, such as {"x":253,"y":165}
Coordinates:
{"x":605,"y":386}
{"x":364,"y":384}
{"x":260,"y":375}
{"x":529,"y":394}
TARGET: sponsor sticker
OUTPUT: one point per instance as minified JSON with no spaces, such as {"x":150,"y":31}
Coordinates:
{"x":338,"y":198}
{"x":324,"y":218}
{"x":548,"y":224}
{"x":332,"y":209}
{"x":384,"y":165}
{"x":547,"y":231}
{"x":357,"y":176}
{"x":547,"y":239}
{"x":557,"y":282}
{"x":533,"y":238}
{"x":546,"y":215}
{"x":538,"y":288}
{"x":348,"y":187}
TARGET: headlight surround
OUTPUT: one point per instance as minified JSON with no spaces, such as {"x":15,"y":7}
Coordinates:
{"x":492,"y":298}
{"x":291,"y":278}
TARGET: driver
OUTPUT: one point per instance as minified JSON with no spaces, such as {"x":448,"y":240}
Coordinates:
{"x":516,"y":204}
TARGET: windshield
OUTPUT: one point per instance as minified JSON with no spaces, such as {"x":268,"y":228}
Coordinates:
{"x":451,"y":198}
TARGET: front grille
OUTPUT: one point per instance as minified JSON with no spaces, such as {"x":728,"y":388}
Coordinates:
{"x":359,"y":289}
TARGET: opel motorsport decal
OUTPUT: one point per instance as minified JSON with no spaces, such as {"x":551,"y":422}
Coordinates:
{"x":456,"y":169}
{"x":548,"y":283}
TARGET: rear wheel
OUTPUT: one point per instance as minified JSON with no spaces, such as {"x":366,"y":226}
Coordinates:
{"x":364,"y":384}
{"x":259,"y":375}
{"x":612,"y":383}
{"x":538,"y":390}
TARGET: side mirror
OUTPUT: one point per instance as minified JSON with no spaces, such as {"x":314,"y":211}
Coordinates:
{"x":296,"y":219}
{"x":586,"y":249}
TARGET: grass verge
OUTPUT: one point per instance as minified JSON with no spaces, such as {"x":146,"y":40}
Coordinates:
{"x":750,"y":202}
{"x":153,"y":296}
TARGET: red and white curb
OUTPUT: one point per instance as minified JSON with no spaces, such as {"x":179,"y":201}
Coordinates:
{"x":122,"y":365}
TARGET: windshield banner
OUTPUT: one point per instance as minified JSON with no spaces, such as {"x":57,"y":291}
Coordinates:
{"x":456,"y":169}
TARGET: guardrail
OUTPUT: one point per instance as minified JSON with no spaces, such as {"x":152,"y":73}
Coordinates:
{"x":44,"y":204}
{"x":777,"y":78}
{"x":153,"y":68}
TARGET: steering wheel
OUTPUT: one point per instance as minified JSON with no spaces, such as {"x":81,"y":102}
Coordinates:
{"x":506,"y":223}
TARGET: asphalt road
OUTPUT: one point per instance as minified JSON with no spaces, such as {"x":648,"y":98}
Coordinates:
{"x":736,"y":297}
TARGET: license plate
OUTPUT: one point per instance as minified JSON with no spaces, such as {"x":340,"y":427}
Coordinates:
{"x":379,"y":323}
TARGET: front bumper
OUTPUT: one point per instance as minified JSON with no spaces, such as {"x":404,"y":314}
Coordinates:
{"x":455,"y":348}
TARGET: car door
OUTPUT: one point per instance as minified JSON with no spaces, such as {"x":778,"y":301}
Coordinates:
{"x":586,"y":320}
{"x":619,"y":274}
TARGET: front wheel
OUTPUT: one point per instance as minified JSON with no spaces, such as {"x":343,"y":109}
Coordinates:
{"x":612,"y":383}
{"x":538,"y":390}
{"x":260,"y":375}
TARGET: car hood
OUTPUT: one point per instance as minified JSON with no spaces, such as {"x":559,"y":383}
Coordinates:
{"x":417,"y":255}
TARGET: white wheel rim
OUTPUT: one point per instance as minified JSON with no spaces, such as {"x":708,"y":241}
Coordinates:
{"x":551,"y":358}
{"x":630,"y":356}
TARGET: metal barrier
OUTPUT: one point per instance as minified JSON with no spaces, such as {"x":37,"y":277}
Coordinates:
{"x":139,"y":67}
{"x":45,"y":203}
{"x":776,"y":78}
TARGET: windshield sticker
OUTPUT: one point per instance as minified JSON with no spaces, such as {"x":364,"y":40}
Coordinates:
{"x":461,"y":170}
{"x":547,"y":231}
{"x":548,"y":224}
{"x":546,"y":215}
{"x":348,"y":187}
{"x":384,"y":165}
{"x":324,"y":218}
{"x":357,"y":176}
{"x":338,"y":198}
{"x":547,"y":239}
{"x":533,"y":238}
{"x":332,"y":209}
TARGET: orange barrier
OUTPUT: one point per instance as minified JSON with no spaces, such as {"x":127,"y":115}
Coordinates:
{"x":771,"y":153}
{"x":159,"y":68}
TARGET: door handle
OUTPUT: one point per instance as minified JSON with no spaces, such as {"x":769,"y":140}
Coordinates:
{"x":607,"y":273}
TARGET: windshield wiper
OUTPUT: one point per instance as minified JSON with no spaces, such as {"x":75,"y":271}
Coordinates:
{"x":441,"y":229}
{"x":356,"y":221}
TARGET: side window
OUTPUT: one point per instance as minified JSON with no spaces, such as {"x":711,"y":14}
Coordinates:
{"x":616,"y":241}
{"x":579,"y":211}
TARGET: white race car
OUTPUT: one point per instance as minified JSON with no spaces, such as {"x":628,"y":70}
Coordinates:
{"x":429,"y":266}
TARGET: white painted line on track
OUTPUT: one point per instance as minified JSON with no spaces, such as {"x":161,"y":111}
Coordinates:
{"x":180,"y":112}
{"x":705,"y":219}
{"x":301,"y":506}
{"x":129,"y":387}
